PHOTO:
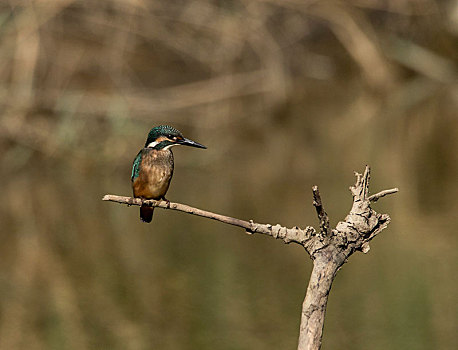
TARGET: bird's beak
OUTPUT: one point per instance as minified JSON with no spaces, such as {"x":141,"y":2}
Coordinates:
{"x":188,"y":142}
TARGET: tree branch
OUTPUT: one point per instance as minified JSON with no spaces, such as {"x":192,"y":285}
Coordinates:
{"x":377,"y":196}
{"x":322,"y":215}
{"x":329,"y":249}
{"x":288,"y":235}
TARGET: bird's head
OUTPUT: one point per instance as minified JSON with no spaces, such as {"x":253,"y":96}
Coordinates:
{"x":164,"y":136}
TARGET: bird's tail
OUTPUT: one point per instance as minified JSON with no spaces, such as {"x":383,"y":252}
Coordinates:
{"x":146,"y":213}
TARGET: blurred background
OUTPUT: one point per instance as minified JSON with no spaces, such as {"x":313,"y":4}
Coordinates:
{"x":285,"y":95}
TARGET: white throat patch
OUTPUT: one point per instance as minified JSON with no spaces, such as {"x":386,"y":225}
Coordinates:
{"x":167,"y":147}
{"x":155,"y":143}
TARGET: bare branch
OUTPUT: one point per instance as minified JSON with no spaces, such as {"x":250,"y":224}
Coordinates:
{"x":322,"y":215}
{"x":377,"y":196}
{"x":288,"y":235}
{"x":329,"y":249}
{"x":360,"y":226}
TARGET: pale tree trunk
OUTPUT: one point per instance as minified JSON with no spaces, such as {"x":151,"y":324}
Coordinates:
{"x":316,"y":299}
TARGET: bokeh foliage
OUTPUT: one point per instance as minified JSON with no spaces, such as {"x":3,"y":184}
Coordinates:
{"x":285,"y":94}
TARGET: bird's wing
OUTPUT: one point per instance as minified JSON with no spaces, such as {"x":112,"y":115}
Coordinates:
{"x":136,"y":166}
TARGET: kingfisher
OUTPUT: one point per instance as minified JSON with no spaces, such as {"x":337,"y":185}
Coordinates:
{"x":152,"y":169}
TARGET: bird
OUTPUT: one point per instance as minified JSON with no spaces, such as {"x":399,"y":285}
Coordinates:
{"x":152,"y":168}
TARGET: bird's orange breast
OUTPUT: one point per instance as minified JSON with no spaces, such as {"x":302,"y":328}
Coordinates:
{"x":156,"y":171}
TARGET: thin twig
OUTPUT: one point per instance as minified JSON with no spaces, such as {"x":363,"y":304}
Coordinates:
{"x":180,"y":207}
{"x":377,"y":196}
{"x":322,"y":215}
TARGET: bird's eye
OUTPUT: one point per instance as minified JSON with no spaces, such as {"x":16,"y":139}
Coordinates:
{"x":174,"y":138}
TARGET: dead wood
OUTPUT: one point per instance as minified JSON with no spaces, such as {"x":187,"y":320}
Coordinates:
{"x":328,"y":248}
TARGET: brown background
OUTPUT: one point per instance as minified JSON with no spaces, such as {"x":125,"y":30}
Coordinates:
{"x":285,"y":95}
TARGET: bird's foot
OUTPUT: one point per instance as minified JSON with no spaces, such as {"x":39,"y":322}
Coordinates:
{"x":167,"y":202}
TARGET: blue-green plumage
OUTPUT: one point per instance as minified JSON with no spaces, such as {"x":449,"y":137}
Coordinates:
{"x":136,"y":166}
{"x":152,"y":168}
{"x":161,"y":130}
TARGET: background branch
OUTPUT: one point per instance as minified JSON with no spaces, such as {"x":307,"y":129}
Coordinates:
{"x":329,"y":249}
